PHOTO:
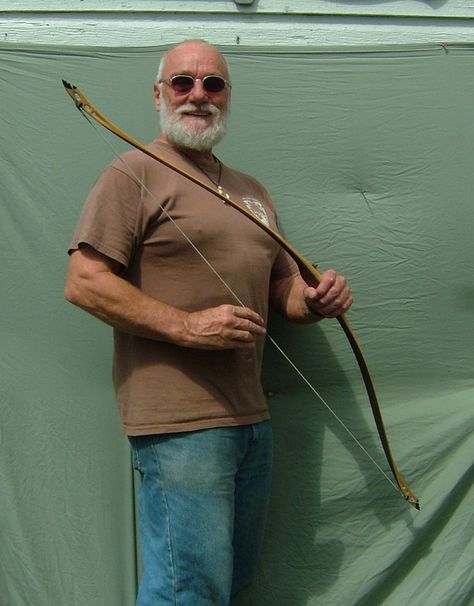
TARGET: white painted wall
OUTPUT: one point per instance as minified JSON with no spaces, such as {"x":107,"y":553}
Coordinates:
{"x":263,"y":22}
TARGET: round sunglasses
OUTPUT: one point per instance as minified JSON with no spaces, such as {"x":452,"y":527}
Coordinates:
{"x":183,"y":83}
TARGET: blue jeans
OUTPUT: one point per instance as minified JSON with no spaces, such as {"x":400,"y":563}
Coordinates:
{"x":202,"y":507}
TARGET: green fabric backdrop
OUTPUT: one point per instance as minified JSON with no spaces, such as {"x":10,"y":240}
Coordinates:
{"x":368,"y":155}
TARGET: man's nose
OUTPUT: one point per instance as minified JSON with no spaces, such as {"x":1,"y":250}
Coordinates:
{"x":198,"y":92}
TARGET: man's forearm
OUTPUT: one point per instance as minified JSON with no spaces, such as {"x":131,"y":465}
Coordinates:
{"x":286,"y":297}
{"x":124,"y":307}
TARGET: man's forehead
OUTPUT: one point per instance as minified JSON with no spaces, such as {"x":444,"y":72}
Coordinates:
{"x":194,"y":57}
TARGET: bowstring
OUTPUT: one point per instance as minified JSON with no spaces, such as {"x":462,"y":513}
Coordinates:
{"x":133,"y":174}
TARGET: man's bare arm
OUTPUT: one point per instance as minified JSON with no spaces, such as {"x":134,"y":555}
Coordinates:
{"x":94,"y":285}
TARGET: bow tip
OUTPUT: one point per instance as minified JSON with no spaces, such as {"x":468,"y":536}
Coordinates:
{"x":414,"y":501}
{"x":68,"y":85}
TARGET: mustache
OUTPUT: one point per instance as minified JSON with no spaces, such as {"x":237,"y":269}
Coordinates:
{"x":202,"y":107}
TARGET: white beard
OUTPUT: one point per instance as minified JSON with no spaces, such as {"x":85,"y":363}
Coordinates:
{"x":181,"y":135}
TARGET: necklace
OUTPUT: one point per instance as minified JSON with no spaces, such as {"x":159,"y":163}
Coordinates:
{"x":219,"y":176}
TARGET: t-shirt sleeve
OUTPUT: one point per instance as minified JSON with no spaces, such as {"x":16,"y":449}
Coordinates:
{"x":109,"y":218}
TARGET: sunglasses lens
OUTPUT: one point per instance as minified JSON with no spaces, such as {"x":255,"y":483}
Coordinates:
{"x":213,"y":84}
{"x":182,"y":84}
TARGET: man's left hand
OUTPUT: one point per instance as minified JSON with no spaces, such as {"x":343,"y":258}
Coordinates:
{"x":331,"y":298}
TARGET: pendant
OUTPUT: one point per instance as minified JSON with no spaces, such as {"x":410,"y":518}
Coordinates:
{"x":222,"y":193}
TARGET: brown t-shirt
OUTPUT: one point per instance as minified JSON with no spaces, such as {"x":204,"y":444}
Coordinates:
{"x":141,"y":214}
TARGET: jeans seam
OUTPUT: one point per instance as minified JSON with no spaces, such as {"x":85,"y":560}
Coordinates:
{"x":168,"y":524}
{"x":137,"y":459}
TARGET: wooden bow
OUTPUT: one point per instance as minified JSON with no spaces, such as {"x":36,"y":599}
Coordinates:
{"x":308,"y":271}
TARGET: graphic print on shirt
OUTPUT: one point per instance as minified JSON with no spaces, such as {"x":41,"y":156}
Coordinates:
{"x":257,"y":209}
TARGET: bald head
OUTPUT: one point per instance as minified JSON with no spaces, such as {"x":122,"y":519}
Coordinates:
{"x":195,"y":50}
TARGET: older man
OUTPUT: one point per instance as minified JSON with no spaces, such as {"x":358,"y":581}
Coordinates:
{"x":186,"y":281}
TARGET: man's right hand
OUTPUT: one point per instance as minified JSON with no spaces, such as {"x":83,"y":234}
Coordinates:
{"x":223,"y":327}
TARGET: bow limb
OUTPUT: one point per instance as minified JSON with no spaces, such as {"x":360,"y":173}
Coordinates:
{"x":401,"y":483}
{"x":308,"y":271}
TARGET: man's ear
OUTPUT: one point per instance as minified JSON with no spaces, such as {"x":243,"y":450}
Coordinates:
{"x":157,"y":95}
